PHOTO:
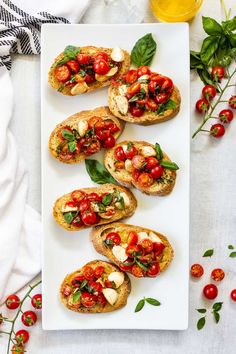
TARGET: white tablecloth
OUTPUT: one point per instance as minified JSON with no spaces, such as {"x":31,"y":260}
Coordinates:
{"x":213,"y":210}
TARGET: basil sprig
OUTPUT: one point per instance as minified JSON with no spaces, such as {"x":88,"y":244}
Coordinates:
{"x":98,"y":172}
{"x":143,"y":51}
{"x":69,"y":216}
{"x":219,"y":48}
{"x":70,"y":52}
{"x":164,"y":163}
{"x":107,"y":199}
{"x":149,"y":300}
{"x":170,"y":104}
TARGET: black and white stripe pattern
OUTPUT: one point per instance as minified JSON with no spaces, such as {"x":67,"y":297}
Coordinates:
{"x":20,"y":32}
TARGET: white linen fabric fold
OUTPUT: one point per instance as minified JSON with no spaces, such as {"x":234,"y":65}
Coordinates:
{"x":20,"y":227}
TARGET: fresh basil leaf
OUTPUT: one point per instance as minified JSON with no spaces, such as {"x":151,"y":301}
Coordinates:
{"x":205,"y":76}
{"x":195,"y":61}
{"x":129,"y":145}
{"x":169,"y":165}
{"x":107,"y":199}
{"x":170,"y":104}
{"x":216,"y":316}
{"x":201,"y":323}
{"x":76,"y":296}
{"x":208,"y":253}
{"x":232,"y":39}
{"x":217,"y":306}
{"x":143,"y":51}
{"x":67,"y":135}
{"x":122,"y":203}
{"x":141,"y":265}
{"x":230,"y":247}
{"x":211,"y":26}
{"x":83,"y":284}
{"x":76,"y":134}
{"x":68,"y":217}
{"x":201,"y":310}
{"x":127,"y":264}
{"x":108,"y":242}
{"x":71,"y":51}
{"x":229,"y":25}
{"x":82,"y":73}
{"x":139,"y":96}
{"x":232,"y":254}
{"x":232,"y":52}
{"x":98,"y":173}
{"x":101,"y":207}
{"x":209,"y":47}
{"x":139,"y":305}
{"x":225,"y":61}
{"x":159,"y":153}
{"x":72,"y":146}
{"x":152,"y":301}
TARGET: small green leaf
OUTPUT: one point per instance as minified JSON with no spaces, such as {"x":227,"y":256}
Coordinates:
{"x":76,"y":296}
{"x":217,"y":306}
{"x":107,"y":199}
{"x":195,"y":61}
{"x":211,"y":26}
{"x":67,"y":135}
{"x":72,"y":146}
{"x":170,"y":104}
{"x":141,"y":265}
{"x":201,"y":310}
{"x":201,"y":323}
{"x":208,"y":253}
{"x":152,"y":301}
{"x":82,"y":73}
{"x":98,"y":173}
{"x":209,"y":47}
{"x":230,"y":247}
{"x":232,"y":39}
{"x":232,"y":254}
{"x":139,"y":305}
{"x":229,"y":25}
{"x":83,"y":284}
{"x":216,"y":316}
{"x":129,"y":145}
{"x":68,"y":217}
{"x":143,"y":51}
{"x":169,"y":165}
{"x":159,"y":153}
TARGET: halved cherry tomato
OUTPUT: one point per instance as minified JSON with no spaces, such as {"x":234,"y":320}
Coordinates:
{"x":101,"y":67}
{"x":102,"y":300}
{"x":103,"y":134}
{"x":83,"y":58}
{"x":202,"y":105}
{"x":109,"y":142}
{"x":66,"y":155}
{"x":136,"y":111}
{"x":88,"y":272}
{"x":134,"y":88}
{"x":138,"y":162}
{"x":94,"y":197}
{"x":154,"y":270}
{"x":12,"y":302}
{"x":226,"y":115}
{"x":152,"y":85}
{"x":217,"y":130}
{"x":73,"y":65}
{"x":66,"y":290}
{"x":77,"y":196}
{"x":96,"y":287}
{"x":94,"y":121}
{"x":131,"y":152}
{"x":113,"y":238}
{"x":151,"y":104}
{"x":135,"y":174}
{"x":158,"y":248}
{"x":167,"y":85}
{"x":67,"y":128}
{"x":22,"y":336}
{"x":101,"y":55}
{"x":120,"y":154}
{"x":162,"y":97}
{"x":197,"y":270}
{"x":158,"y":79}
{"x":151,"y":162}
{"x":131,"y":76}
{"x":134,"y":250}
{"x":62,"y":73}
{"x":77,"y":280}
{"x":71,"y":204}
{"x":157,"y":171}
{"x":98,"y":271}
{"x":89,"y":78}
{"x":127,"y":265}
{"x":119,"y":165}
{"x":87,"y":299}
{"x":232,"y":102}
{"x":210,"y":291}
{"x":132,"y":238}
{"x":84,"y":205}
{"x":29,"y":318}
{"x":143,"y":70}
{"x":137,"y":271}
{"x":147,"y":245}
{"x":109,"y":124}
{"x":109,"y":284}
{"x":145,"y":180}
{"x":93,"y":145}
{"x":209,"y":92}
{"x":217,"y":274}
{"x":36,"y":301}
{"x":217,"y":73}
{"x":77,"y":221}
{"x":89,"y":217}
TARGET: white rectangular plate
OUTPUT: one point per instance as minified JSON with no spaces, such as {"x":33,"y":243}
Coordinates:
{"x":63,"y":251}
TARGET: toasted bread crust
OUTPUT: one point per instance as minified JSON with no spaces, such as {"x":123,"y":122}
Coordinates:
{"x":102,"y":112}
{"x":123,"y":291}
{"x":148,"y":117}
{"x":126,"y":179}
{"x":66,"y":90}
{"x":120,"y":214}
{"x":98,"y":235}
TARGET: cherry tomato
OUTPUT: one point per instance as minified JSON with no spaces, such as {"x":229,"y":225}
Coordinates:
{"x":109,"y":213}
{"x":77,"y":196}
{"x":136,"y":111}
{"x":96,"y":287}
{"x":77,"y":222}
{"x":157,"y":171}
{"x":93,"y":145}
{"x":158,"y":248}
{"x":83,"y":58}
{"x":145,"y":180}
{"x":73,"y":65}
{"x":84,"y":205}
{"x":131,"y":152}
{"x":89,"y":78}
{"x":101,"y":55}
{"x":109,"y":142}
{"x":226,"y":115}
{"x":217,"y":274}
{"x":12,"y":302}
{"x":135,"y":174}
{"x":120,"y":154}
{"x":101,"y":67}
{"x":132,"y":238}
{"x":151,"y":162}
{"x":77,"y":280}
{"x":131,"y":76}
{"x":143,"y":70}
{"x":109,"y":124}
{"x":138,"y":162}
{"x":89,"y":217}
{"x":133,"y":250}
{"x":162,"y":97}
{"x":113,"y":238}
{"x":134,"y":88}
{"x":217,"y":73}
{"x":147,"y":245}
{"x":232,"y":102}
{"x":102,"y":300}
{"x":103,"y":134}
{"x":22,"y":336}
{"x":210,"y":291}
{"x":98,"y":271}
{"x":94,"y":197}
{"x":154,"y":270}
{"x":66,"y":290}
{"x":88,"y":272}
{"x":137,"y":271}
{"x":29,"y":318}
{"x":94,"y":121}
{"x":233,"y":294}
{"x":87,"y":299}
{"x":152,"y":85}
{"x":197,"y":270}
{"x":202,"y":105}
{"x":217,"y":130}
{"x":62,"y":73}
{"x":67,"y":128}
{"x":126,"y":267}
{"x":66,"y":156}
{"x":158,"y":79}
{"x":108,"y":284}
{"x":119,"y":165}
{"x":36,"y":301}
{"x":71,"y":204}
{"x":18,"y":349}
{"x":167,"y":85}
{"x":151,"y":104}
{"x":209,"y":92}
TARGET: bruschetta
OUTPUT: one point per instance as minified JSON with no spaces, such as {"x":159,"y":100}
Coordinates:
{"x":85,"y":207}
{"x":143,"y":97}
{"x":78,"y":70}
{"x":83,"y":134}
{"x":141,"y":165}
{"x":97,"y":287}
{"x":136,"y":250}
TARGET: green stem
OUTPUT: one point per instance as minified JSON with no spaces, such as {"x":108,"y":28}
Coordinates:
{"x":227,"y":13}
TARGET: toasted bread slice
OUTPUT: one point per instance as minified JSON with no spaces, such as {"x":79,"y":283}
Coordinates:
{"x":130,"y":204}
{"x":161,"y":187}
{"x":90,"y":50}
{"x":73,"y":121}
{"x":122,"y":292}
{"x":99,"y":234}
{"x":148,"y":117}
